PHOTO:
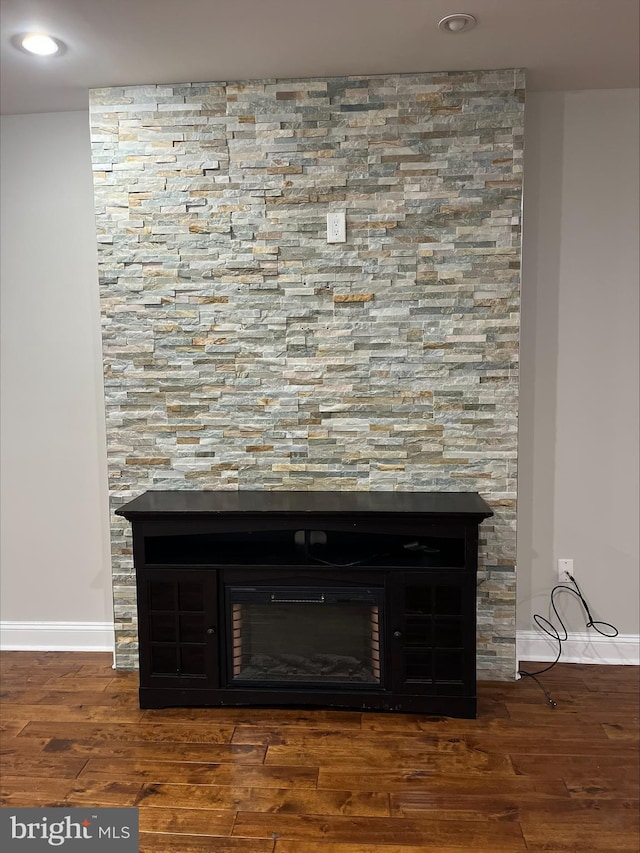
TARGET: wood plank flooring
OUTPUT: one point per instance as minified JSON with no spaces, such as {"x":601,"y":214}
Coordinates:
{"x":522,"y":777}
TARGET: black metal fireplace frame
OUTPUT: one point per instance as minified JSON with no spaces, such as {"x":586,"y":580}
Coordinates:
{"x":321,"y":595}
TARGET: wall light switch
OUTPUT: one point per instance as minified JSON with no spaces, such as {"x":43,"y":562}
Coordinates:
{"x":336,"y":227}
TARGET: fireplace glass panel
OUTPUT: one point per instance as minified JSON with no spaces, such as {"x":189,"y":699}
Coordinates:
{"x":308,"y":635}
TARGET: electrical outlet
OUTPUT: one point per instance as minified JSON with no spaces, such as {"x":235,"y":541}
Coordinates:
{"x":565,"y":568}
{"x":336,"y":227}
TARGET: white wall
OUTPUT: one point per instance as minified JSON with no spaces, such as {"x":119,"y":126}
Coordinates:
{"x":579,"y":404}
{"x":579,"y":393}
{"x":55,"y":551}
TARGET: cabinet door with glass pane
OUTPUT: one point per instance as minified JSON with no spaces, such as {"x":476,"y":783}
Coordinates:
{"x":433,"y":633}
{"x":179,"y":637}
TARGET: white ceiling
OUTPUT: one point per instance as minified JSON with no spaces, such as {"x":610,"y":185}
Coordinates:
{"x":563,"y":44}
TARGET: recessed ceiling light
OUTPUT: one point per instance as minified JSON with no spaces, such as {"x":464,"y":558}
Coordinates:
{"x":40,"y":43}
{"x":457,"y":23}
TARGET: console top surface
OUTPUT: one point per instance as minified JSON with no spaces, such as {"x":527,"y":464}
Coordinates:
{"x":203,"y":504}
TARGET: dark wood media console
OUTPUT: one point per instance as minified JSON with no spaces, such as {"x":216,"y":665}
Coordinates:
{"x":361,"y":600}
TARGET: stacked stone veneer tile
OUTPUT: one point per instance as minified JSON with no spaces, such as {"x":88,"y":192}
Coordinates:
{"x":242,"y":351}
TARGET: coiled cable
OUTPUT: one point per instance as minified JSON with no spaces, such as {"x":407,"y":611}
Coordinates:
{"x":549,"y":628}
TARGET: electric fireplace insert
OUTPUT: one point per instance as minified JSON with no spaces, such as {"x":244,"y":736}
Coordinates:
{"x":339,"y":600}
{"x":304,"y":635}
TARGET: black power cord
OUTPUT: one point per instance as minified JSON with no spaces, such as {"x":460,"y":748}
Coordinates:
{"x":550,"y":629}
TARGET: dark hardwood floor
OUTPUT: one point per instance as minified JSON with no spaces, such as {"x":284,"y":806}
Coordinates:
{"x":522,"y":777}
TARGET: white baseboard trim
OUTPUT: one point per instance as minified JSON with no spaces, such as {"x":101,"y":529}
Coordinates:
{"x":57,"y":636}
{"x":582,"y":647}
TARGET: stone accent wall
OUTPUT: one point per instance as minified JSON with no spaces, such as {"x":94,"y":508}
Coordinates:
{"x":242,"y":351}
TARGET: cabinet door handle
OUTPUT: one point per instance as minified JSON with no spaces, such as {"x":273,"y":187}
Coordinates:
{"x":211,"y":630}
{"x":397,"y":634}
